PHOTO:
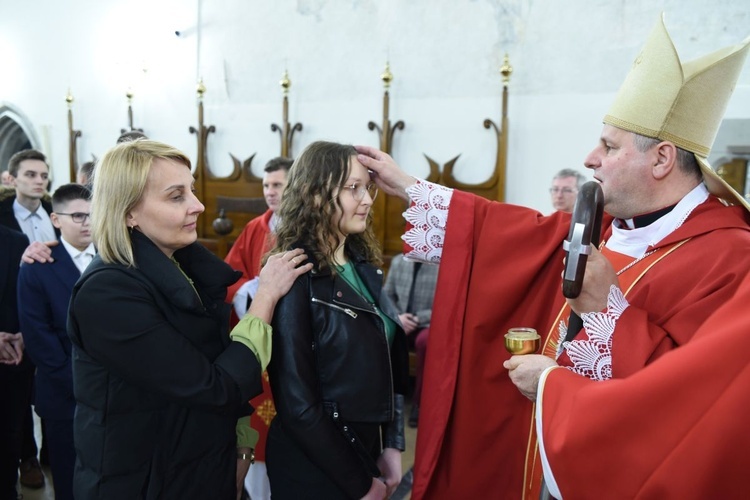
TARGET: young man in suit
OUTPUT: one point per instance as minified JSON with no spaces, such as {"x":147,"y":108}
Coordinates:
{"x":16,"y":371}
{"x":44,"y":292}
{"x":26,"y":208}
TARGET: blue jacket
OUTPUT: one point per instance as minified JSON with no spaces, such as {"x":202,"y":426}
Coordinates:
{"x":43,"y":295}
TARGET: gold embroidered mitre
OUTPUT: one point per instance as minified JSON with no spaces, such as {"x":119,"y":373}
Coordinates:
{"x":681,"y":103}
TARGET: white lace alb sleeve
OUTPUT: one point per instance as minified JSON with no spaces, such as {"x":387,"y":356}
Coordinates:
{"x":428,"y":215}
{"x":592,"y":358}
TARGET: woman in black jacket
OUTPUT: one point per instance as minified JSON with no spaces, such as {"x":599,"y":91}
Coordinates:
{"x":159,"y":384}
{"x":339,"y":366}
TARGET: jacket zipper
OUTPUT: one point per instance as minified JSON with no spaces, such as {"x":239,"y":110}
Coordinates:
{"x":385,"y":336}
{"x":353,"y":314}
{"x":334,"y":306}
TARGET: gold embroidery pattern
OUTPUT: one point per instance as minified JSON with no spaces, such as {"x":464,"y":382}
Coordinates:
{"x":266,"y":411}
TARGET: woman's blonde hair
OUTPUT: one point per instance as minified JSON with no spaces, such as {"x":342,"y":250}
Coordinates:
{"x":308,"y":206}
{"x":119,"y":183}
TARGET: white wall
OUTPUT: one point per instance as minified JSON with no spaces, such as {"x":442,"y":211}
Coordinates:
{"x":569,"y":59}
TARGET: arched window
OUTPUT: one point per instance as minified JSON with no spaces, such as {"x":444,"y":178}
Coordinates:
{"x":16,"y":134}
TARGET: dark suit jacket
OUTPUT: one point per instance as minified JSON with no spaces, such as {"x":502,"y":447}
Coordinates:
{"x":8,"y":218}
{"x":43,"y":296}
{"x":12,"y":245}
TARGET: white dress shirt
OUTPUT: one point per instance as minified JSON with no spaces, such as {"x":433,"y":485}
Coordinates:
{"x":37,"y":226}
{"x":80,"y":258}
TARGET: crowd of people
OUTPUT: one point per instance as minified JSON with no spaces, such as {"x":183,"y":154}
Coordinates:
{"x":148,"y":353}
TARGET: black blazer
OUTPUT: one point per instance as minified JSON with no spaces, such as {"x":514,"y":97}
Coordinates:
{"x":12,"y":245}
{"x":159,"y":386}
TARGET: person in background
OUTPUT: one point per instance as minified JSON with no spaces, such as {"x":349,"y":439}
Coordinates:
{"x":27,"y":209}
{"x":255,"y":239}
{"x":16,"y":370}
{"x":43,"y":295}
{"x":564,"y":189}
{"x":131,"y":135}
{"x":40,"y":251}
{"x":411,"y":287}
{"x":673,"y":252}
{"x":160,"y":386}
{"x":339,"y":368}
{"x":5,"y":179}
{"x":85,"y":174}
{"x":246,"y":255}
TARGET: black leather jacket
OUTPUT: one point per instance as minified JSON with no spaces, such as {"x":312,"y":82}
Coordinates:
{"x":330,"y":349}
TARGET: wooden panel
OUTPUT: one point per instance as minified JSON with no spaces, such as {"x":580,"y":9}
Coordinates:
{"x":240,"y":192}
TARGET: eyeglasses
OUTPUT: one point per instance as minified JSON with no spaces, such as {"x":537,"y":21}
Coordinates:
{"x":358,"y":190}
{"x":556,"y":190}
{"x":78,"y":217}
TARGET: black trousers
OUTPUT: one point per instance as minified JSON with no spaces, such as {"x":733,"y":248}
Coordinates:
{"x":15,"y":400}
{"x":62,"y":456}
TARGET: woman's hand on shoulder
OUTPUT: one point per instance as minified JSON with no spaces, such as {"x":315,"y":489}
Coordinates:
{"x":280,"y":272}
{"x":275,"y":280}
{"x":39,"y":252}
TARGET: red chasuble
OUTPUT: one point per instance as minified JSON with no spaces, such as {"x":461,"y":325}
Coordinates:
{"x":501,"y":267}
{"x":676,"y":429}
{"x":245,"y":256}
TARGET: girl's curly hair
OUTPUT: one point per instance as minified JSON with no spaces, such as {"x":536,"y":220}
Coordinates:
{"x":308,"y":207}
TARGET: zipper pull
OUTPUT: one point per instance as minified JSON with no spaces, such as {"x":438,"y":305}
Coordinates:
{"x":350,"y":312}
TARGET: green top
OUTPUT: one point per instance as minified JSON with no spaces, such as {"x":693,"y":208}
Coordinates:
{"x":349,"y":274}
{"x":247,"y":437}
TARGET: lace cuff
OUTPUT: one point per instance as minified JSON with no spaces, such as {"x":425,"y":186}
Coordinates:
{"x":592,"y":358}
{"x":427,"y":216}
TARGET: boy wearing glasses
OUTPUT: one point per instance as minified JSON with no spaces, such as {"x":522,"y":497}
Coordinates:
{"x":44,"y":291}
